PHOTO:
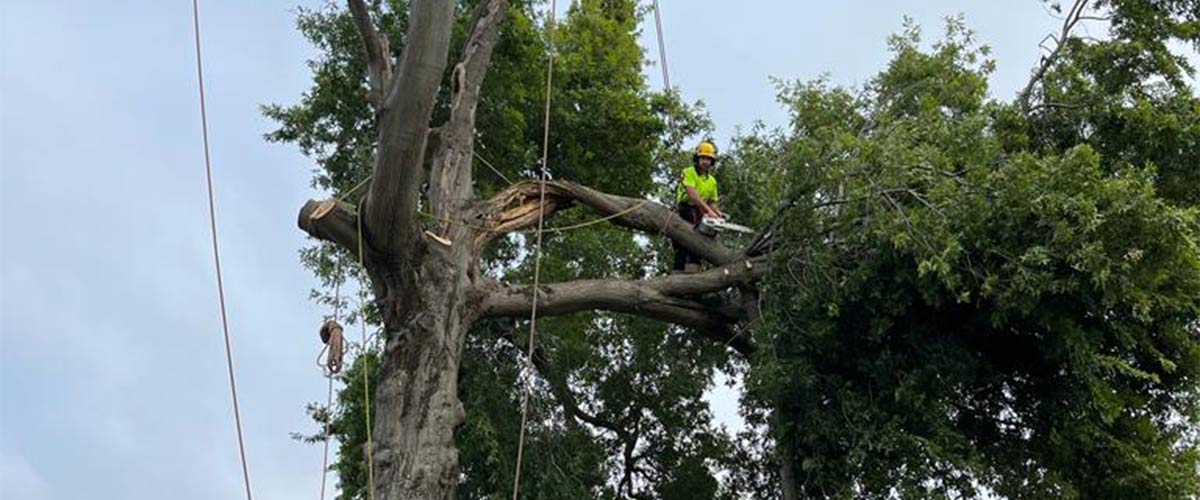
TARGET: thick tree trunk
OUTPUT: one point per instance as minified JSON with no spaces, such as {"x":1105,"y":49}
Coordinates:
{"x":417,"y":405}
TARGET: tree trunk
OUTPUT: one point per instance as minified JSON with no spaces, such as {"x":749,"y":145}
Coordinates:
{"x":417,"y":405}
{"x":787,"y":471}
{"x":785,"y":451}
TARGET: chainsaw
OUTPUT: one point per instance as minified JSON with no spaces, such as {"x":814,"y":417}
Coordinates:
{"x":710,"y":226}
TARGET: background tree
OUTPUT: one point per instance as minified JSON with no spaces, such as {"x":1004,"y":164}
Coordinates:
{"x":979,"y":296}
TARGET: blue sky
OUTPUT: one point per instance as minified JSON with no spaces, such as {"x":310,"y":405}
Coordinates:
{"x":112,"y":376}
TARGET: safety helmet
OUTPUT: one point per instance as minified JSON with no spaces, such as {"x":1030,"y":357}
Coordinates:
{"x":706,"y":149}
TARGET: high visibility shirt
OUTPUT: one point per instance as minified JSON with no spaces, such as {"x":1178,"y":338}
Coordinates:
{"x":705,"y":185}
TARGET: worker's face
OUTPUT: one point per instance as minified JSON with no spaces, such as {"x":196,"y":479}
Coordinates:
{"x":705,"y":163}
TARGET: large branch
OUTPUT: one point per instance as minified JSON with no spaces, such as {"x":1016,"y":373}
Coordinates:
{"x":572,"y":411}
{"x":517,"y":208}
{"x":450,"y":181}
{"x":331,"y":220}
{"x":559,"y":386}
{"x":379,"y":58}
{"x":403,"y":125}
{"x":667,"y":298}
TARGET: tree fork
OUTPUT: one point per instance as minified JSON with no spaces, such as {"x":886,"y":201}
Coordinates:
{"x":431,"y":292}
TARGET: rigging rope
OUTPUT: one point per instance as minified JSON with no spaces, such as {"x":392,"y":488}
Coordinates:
{"x":537,"y":254}
{"x":212,"y":219}
{"x":662,"y":48}
{"x":331,"y":335}
{"x":328,"y":419}
{"x":362,"y":320}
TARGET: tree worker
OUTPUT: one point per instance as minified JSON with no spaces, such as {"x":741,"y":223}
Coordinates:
{"x":696,"y":197}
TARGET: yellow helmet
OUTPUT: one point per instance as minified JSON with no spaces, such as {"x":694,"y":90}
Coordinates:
{"x":706,"y":149}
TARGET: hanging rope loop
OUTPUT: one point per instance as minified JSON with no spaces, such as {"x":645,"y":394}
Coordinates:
{"x":335,"y":346}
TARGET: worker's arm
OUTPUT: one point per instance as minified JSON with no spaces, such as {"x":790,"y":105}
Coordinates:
{"x":697,"y":202}
{"x":716,"y":211}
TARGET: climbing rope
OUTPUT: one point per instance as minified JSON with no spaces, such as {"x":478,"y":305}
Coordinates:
{"x":212,"y":219}
{"x":488,"y":164}
{"x":662,"y":48}
{"x":553,"y":229}
{"x":537,"y":252}
{"x":328,"y":420}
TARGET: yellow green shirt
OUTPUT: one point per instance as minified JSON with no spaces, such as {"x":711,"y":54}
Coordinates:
{"x":705,"y":185}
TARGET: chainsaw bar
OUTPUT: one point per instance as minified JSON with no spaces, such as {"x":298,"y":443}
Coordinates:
{"x":723,"y":225}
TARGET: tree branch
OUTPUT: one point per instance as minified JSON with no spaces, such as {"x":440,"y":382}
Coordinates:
{"x":558,"y":385}
{"x":403,"y":126}
{"x":1073,"y":17}
{"x":450,"y":180}
{"x":379,"y":59}
{"x":661,"y":298}
{"x":517,"y":208}
{"x":561,"y":390}
{"x":331,"y":220}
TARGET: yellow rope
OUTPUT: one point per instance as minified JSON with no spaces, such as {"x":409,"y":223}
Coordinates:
{"x":606,"y":218}
{"x":355,"y":188}
{"x":366,"y":367}
{"x":556,"y":229}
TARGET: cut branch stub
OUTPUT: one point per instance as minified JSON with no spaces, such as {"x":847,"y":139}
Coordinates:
{"x":331,"y":220}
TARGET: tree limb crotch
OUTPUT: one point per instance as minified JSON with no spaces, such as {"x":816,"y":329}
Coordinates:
{"x":379,"y":57}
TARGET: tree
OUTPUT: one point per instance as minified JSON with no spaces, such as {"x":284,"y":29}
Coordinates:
{"x":980,"y":296}
{"x":428,"y":293}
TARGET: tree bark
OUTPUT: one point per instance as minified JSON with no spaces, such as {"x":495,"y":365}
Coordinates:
{"x":416,"y":403}
{"x":667,"y":298}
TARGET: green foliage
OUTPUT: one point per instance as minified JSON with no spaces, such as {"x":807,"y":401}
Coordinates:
{"x":959,"y":310}
{"x":1128,"y":96}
